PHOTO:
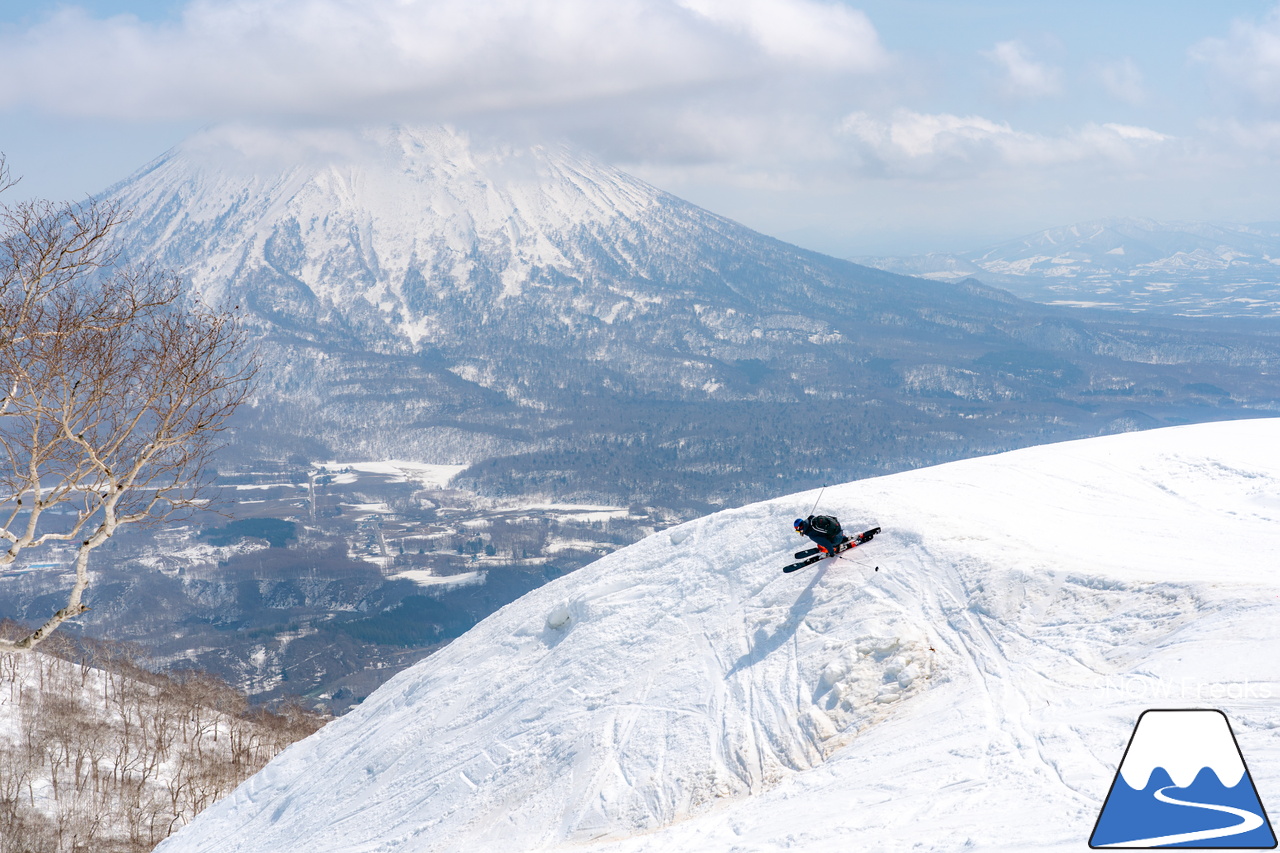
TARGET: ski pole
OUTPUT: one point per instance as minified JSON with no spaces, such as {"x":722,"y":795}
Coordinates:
{"x":815,"y":502}
{"x":857,"y":562}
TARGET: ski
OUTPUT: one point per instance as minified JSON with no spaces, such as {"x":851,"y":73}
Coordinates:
{"x":865,"y":536}
{"x":807,"y":562}
{"x":812,"y":555}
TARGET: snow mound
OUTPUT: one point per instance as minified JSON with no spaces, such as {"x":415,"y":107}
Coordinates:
{"x":684,"y":694}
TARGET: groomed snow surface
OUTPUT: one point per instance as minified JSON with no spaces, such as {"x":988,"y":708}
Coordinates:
{"x":976,"y":692}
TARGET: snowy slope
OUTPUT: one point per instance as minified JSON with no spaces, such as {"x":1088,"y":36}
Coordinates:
{"x":684,"y":694}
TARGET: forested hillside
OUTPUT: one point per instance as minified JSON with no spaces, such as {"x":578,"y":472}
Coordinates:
{"x":98,"y":754}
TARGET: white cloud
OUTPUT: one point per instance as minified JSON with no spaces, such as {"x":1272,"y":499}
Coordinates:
{"x":1022,"y":76}
{"x":922,"y":144}
{"x":1239,"y":139}
{"x":1123,"y":80}
{"x":743,"y":101}
{"x":1248,"y":58}
{"x":825,"y":35}
{"x":417,"y":58}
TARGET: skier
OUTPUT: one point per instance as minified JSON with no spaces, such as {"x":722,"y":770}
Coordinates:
{"x":824,"y":530}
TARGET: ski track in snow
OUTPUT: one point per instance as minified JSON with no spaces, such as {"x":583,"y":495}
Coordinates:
{"x":977,"y":691}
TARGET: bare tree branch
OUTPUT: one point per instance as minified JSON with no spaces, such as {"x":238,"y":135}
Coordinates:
{"x":115,"y":386}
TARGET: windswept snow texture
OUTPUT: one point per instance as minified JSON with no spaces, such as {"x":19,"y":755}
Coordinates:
{"x":683,"y":694}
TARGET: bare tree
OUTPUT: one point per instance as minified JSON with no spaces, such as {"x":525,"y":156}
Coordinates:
{"x":114,"y":386}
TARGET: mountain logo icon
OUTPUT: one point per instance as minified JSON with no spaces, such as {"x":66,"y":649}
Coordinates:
{"x":1183,"y":783}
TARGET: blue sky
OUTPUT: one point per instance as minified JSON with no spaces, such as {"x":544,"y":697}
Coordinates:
{"x":887,"y":126}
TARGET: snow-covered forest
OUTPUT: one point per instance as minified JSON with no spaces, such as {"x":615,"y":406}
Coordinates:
{"x":99,"y":754}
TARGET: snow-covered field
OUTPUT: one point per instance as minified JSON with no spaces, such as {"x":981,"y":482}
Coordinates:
{"x":977,"y":692}
{"x":427,"y":476}
{"x":424,"y":578}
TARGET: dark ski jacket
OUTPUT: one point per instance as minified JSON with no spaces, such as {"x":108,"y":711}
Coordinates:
{"x":824,"y":530}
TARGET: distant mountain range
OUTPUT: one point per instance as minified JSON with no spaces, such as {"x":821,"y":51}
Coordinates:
{"x":1188,"y":268}
{"x":569,"y":330}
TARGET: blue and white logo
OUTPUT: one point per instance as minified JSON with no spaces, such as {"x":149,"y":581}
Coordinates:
{"x":1183,"y":783}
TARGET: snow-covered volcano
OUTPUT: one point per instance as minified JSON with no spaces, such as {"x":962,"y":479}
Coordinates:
{"x":472,"y":296}
{"x":384,"y":221}
{"x":419,"y":237}
{"x":683,"y":694}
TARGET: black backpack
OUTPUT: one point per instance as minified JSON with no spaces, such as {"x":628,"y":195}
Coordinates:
{"x":827,"y":525}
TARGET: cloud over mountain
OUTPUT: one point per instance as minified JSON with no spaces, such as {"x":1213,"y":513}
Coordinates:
{"x":338,"y":58}
{"x":809,"y":119}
